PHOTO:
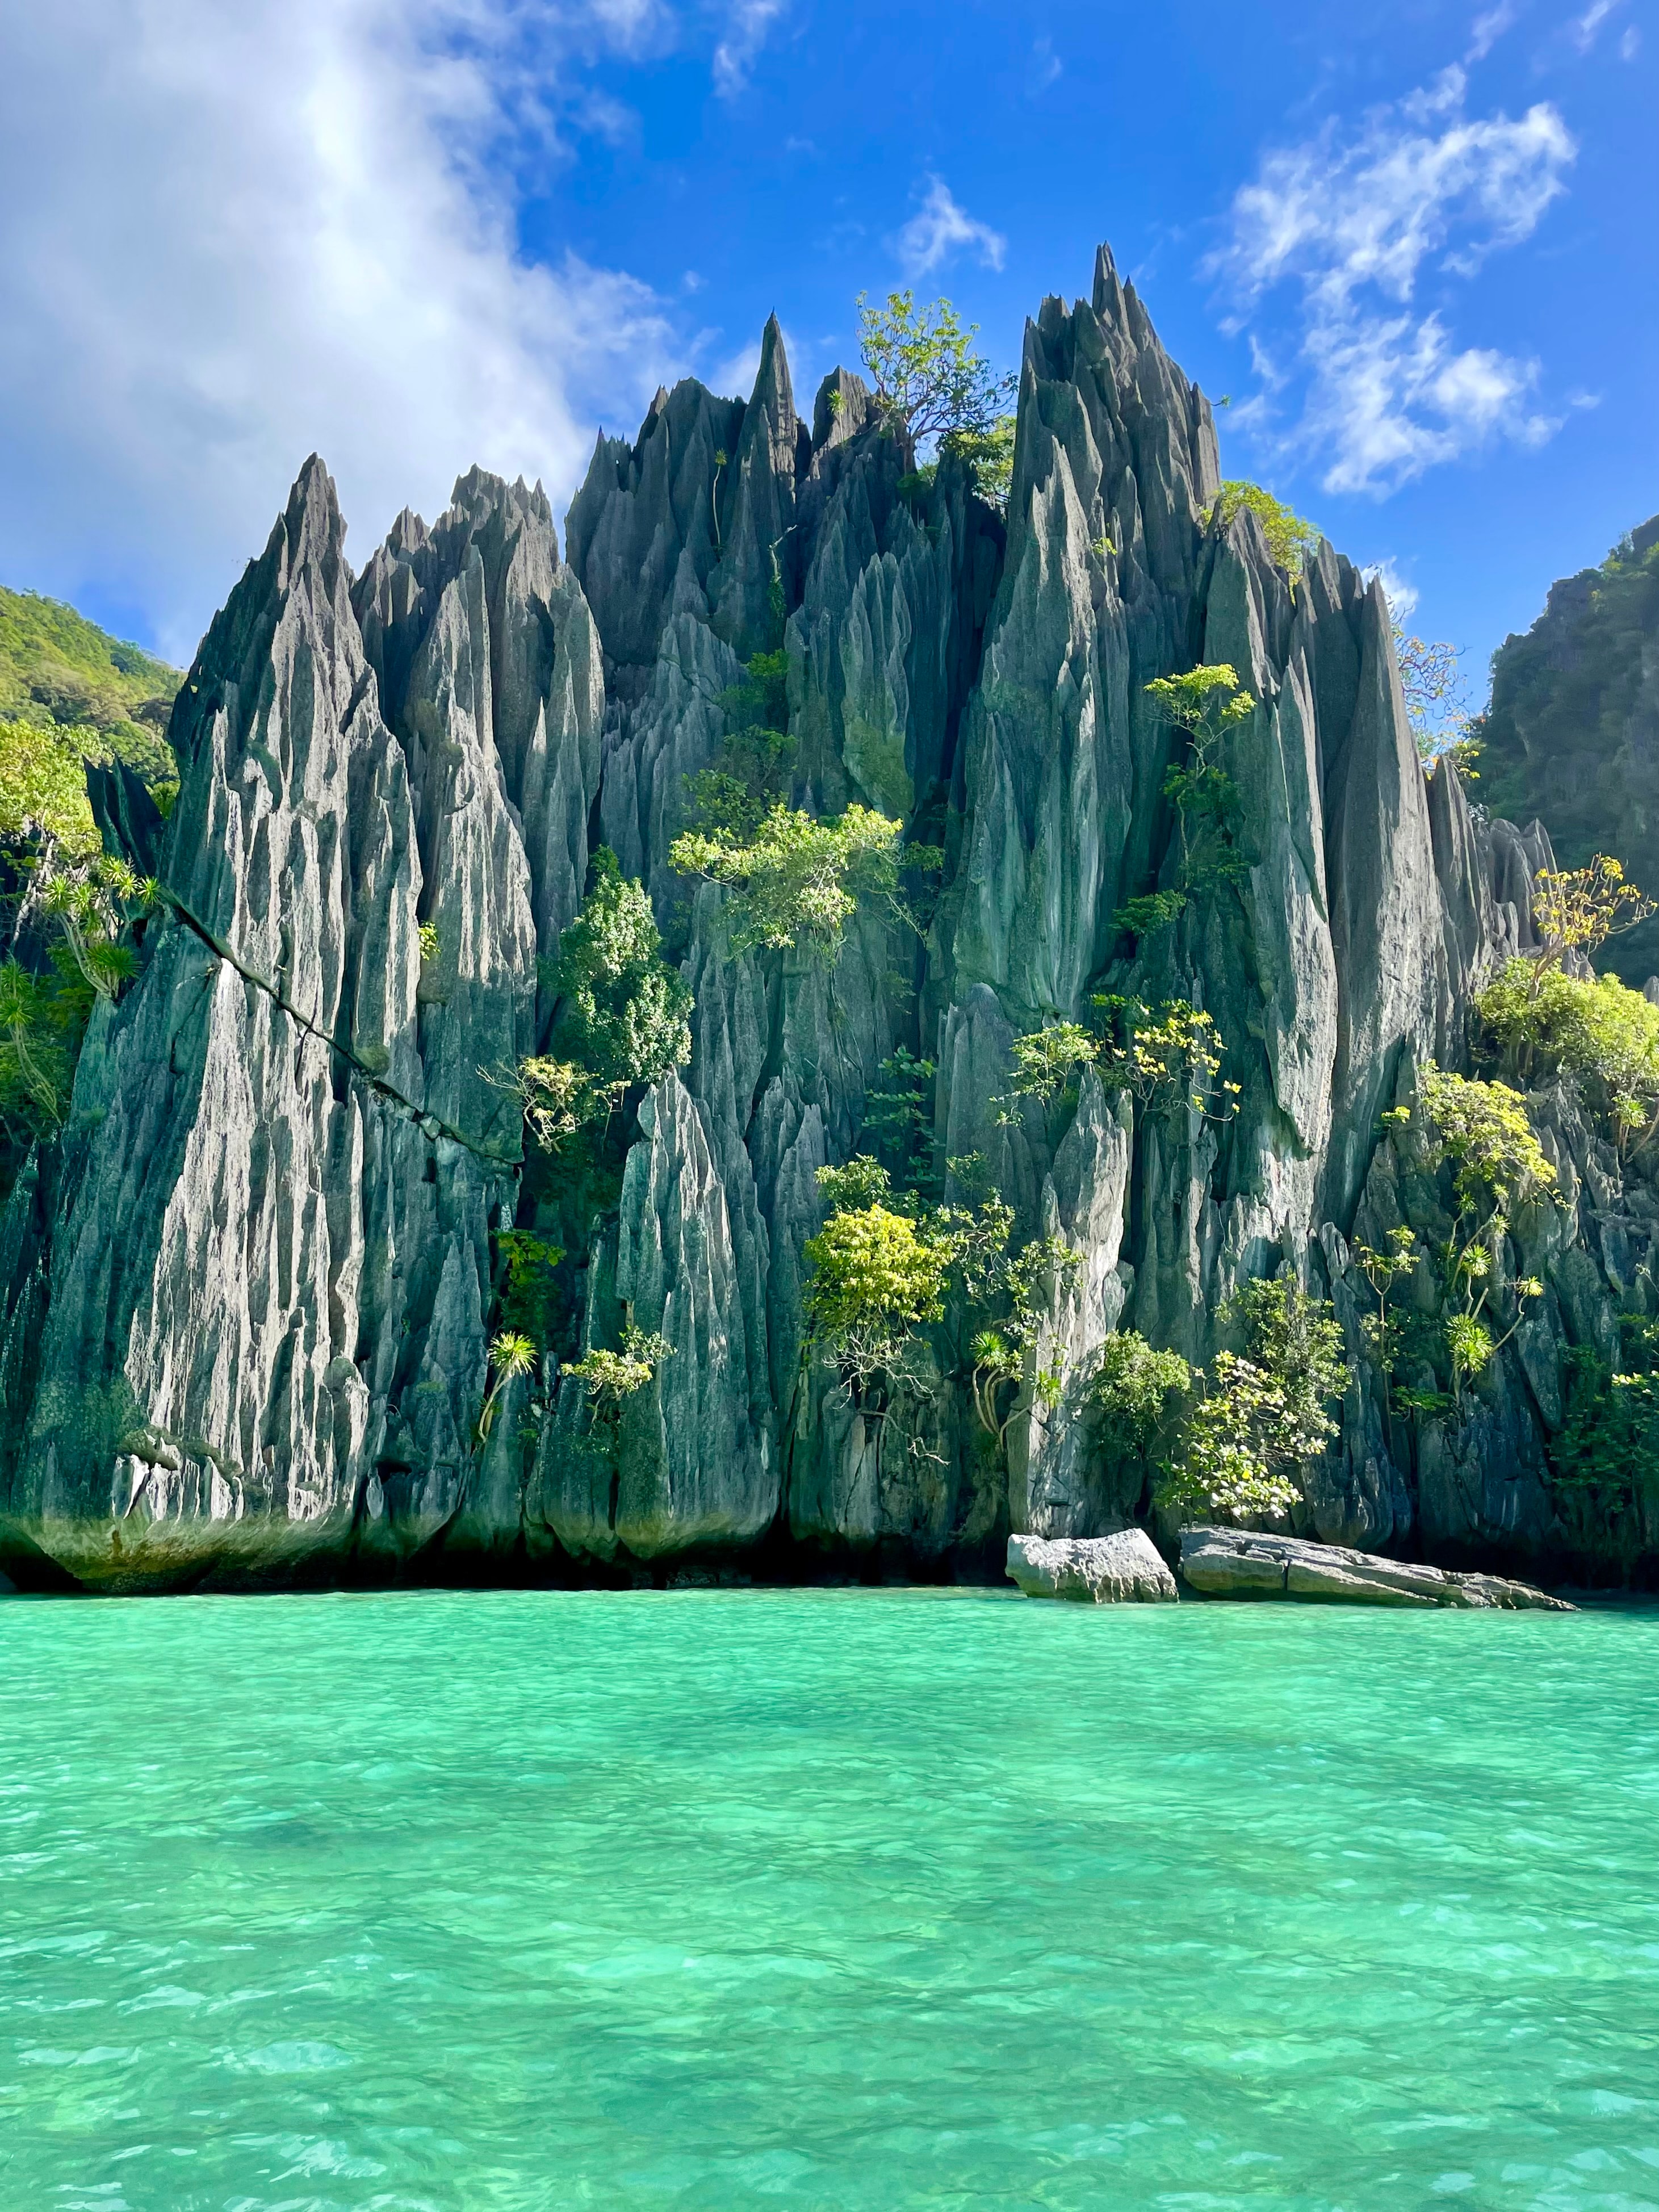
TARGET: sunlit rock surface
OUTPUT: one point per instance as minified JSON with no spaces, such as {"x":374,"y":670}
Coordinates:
{"x":247,"y":1296}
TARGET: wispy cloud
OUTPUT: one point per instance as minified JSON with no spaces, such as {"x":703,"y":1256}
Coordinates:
{"x":747,"y":22}
{"x":1589,"y":24}
{"x":250,"y":232}
{"x":1402,"y":597}
{"x":1352,"y":226}
{"x":939,"y":229}
{"x":1044,"y":68}
{"x":1489,"y":28}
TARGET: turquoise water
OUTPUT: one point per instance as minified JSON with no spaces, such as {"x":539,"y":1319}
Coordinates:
{"x":842,"y":1899}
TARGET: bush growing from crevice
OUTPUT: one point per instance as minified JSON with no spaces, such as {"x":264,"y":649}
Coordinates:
{"x":884,"y":1265}
{"x":1204,"y":704}
{"x":1167,"y":1057}
{"x":1261,"y":1417}
{"x":1135,"y":1400}
{"x":1480,"y":1131}
{"x":1539,"y":1019}
{"x":1291,"y":541}
{"x":1604,"y":1459}
{"x":609,"y":1377}
{"x":797,"y":881}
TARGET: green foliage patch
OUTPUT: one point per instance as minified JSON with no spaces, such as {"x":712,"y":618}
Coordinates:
{"x":1291,"y":540}
{"x":929,"y":380}
{"x":59,"y":671}
{"x":1264,"y":1415}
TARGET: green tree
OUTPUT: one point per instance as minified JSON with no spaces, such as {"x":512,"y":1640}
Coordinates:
{"x":1167,"y":1056}
{"x":1135,"y":1398}
{"x":1482,"y":1132}
{"x":1597,"y":1029}
{"x":989,"y":457}
{"x":1604,"y":1459}
{"x":37,"y":1063}
{"x":609,"y":1377}
{"x":1436,"y":707}
{"x":750,"y":774}
{"x":1578,"y":909}
{"x":874,"y":1277}
{"x":510,"y":1355}
{"x":1262,"y":1416}
{"x":43,"y":791}
{"x":898,"y":1114}
{"x":1381,"y":1270}
{"x":927,"y":379}
{"x":623,"y":1014}
{"x":1291,"y":541}
{"x":798,"y":879}
{"x":1204,"y":703}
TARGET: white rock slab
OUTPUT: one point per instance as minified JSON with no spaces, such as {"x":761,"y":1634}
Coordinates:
{"x":1123,"y":1569}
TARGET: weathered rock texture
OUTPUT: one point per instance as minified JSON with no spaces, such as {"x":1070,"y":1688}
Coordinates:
{"x":247,"y":1295}
{"x":1245,"y":1563}
{"x":1121,"y":1569}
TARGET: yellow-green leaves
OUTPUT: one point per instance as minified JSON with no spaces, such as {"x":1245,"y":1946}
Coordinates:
{"x":1261,"y":1418}
{"x":1577,"y":909}
{"x":1597,"y":1028}
{"x":875,"y":1277}
{"x":43,"y":790}
{"x":610,"y":1376}
{"x":1291,"y":541}
{"x":927,"y":378}
{"x":1482,"y":1128}
{"x":1203,"y":701}
{"x":797,"y":880}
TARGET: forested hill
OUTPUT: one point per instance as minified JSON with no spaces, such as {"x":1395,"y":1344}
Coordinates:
{"x":57,"y":668}
{"x":1573,"y":733}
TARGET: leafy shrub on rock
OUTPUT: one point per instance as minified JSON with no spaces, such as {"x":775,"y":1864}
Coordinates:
{"x":1597,"y":1029}
{"x":796,"y":877}
{"x":1262,"y":1417}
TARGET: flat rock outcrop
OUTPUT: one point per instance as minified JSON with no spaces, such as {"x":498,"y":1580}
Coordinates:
{"x":1251,"y":1563}
{"x":1121,"y":1569}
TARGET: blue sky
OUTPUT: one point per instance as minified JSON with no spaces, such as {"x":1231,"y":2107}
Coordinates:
{"x":1416,"y":250}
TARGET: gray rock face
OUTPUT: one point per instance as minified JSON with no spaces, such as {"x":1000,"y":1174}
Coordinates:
{"x":246,"y":1300}
{"x":1252,"y":1564}
{"x":1121,"y":1569}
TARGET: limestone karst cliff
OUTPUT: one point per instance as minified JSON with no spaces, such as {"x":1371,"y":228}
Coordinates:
{"x":248,"y":1291}
{"x":1572,"y":730}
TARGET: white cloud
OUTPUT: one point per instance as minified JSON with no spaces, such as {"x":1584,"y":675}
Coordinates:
{"x":747,"y":22}
{"x":939,"y":229}
{"x":233,"y":235}
{"x":1590,"y":22}
{"x":1489,"y":28}
{"x":734,"y":377}
{"x":1630,"y":44}
{"x":1352,"y":227}
{"x":1402,"y":597}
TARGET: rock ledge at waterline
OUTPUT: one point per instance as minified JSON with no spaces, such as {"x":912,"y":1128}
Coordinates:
{"x":1248,"y":1563}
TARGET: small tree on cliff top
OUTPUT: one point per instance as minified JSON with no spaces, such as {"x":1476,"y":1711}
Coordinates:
{"x":926,"y":374}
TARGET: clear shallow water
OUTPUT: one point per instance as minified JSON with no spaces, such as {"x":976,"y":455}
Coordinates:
{"x":713,"y":1899}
